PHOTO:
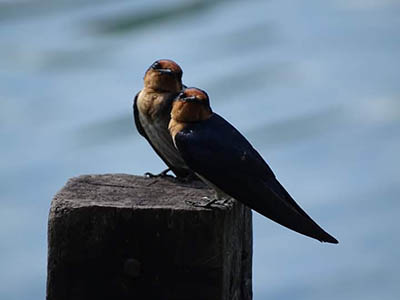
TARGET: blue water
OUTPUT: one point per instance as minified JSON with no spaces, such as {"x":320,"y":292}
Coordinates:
{"x":314,"y":85}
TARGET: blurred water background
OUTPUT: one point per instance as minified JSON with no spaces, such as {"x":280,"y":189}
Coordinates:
{"x":314,"y":85}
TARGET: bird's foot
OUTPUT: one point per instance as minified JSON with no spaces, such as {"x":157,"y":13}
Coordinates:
{"x":210,"y":202}
{"x":226,"y":201}
{"x":199,"y":204}
{"x":162,"y":174}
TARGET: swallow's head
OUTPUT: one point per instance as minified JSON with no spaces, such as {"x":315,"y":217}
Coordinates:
{"x":164,"y":75}
{"x":191,"y":105}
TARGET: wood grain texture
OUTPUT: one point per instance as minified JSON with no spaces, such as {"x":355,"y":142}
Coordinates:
{"x":119,"y":236}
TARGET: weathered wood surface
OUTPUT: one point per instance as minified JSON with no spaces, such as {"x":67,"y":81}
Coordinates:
{"x":119,"y":236}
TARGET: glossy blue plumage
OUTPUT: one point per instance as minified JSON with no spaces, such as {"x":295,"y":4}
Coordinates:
{"x":218,"y":152}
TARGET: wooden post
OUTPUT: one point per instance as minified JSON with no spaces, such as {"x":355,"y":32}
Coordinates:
{"x":120,"y":236}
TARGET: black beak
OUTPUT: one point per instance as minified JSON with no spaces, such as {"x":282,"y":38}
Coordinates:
{"x":191,"y":99}
{"x":165,"y":71}
{"x":156,"y":66}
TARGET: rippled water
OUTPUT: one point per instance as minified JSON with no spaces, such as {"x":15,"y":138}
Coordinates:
{"x":314,"y":85}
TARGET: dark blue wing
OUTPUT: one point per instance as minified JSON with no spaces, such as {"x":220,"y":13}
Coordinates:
{"x":139,"y":126}
{"x":217,"y":151}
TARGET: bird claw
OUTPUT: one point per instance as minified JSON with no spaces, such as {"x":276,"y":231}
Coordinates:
{"x":210,"y":202}
{"x":198,"y":204}
{"x":195,"y":204}
{"x":217,"y":201}
{"x":162,"y":174}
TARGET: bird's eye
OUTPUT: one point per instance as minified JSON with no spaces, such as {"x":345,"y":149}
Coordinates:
{"x":156,"y":65}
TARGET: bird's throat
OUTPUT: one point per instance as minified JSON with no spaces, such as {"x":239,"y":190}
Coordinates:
{"x":174,"y":127}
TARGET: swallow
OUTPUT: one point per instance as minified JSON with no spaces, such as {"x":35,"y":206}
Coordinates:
{"x":151,"y":111}
{"x":220,"y":155}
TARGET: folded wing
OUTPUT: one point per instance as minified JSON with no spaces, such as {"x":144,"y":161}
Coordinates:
{"x":217,"y":151}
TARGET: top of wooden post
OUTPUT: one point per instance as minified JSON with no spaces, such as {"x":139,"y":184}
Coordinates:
{"x":123,"y":190}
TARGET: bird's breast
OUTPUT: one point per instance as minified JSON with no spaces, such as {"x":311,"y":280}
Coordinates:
{"x":154,"y":105}
{"x":174,"y":127}
{"x":155,"y":124}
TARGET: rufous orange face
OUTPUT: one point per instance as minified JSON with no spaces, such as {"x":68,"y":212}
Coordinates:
{"x":167,"y":64}
{"x":164,"y":75}
{"x":191,"y":105}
